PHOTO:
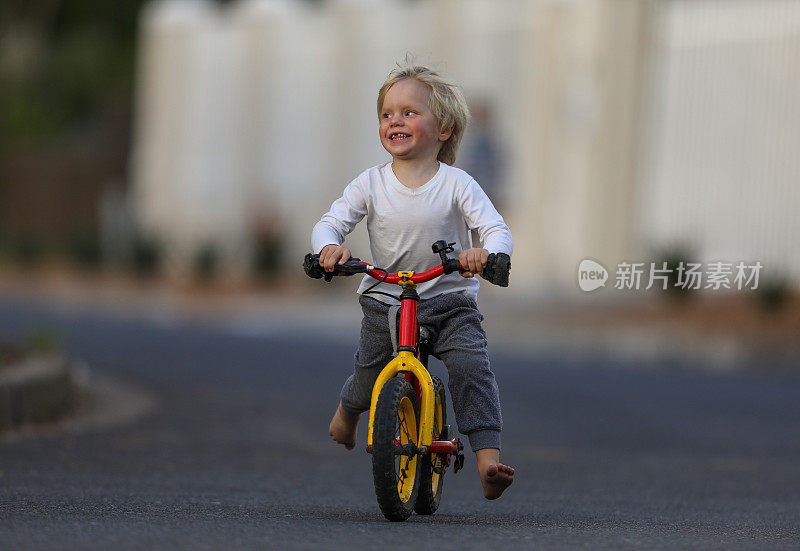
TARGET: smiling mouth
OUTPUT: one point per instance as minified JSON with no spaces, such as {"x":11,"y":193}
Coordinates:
{"x":399,"y":136}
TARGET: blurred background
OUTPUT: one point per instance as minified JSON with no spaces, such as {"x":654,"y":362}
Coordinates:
{"x":162,"y":165}
{"x":187,"y":141}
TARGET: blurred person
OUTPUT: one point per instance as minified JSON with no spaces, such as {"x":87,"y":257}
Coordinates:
{"x":482,"y":157}
{"x":410,"y":202}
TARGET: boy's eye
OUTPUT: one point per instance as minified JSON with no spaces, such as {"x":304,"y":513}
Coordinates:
{"x":410,"y":113}
{"x":386,"y":115}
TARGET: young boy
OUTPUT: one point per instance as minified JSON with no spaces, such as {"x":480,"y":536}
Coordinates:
{"x":409,"y":203}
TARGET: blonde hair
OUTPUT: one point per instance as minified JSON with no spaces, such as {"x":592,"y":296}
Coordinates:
{"x":446,"y":102}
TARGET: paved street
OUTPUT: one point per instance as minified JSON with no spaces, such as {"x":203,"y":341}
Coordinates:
{"x":236,"y":452}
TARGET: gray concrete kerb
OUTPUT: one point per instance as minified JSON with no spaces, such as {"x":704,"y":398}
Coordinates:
{"x":36,"y":389}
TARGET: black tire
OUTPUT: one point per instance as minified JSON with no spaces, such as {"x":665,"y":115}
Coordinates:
{"x":431,"y":481}
{"x":396,"y":476}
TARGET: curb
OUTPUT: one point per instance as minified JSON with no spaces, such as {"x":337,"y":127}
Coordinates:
{"x":37,"y":389}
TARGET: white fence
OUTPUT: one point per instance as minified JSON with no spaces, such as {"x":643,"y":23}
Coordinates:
{"x":721,"y":173}
{"x":621,"y":127}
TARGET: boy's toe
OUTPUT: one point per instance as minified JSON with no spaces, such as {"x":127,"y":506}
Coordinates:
{"x":497,"y":479}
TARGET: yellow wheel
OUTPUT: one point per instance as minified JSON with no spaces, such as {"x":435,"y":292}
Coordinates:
{"x":395,"y":463}
{"x":432,"y":466}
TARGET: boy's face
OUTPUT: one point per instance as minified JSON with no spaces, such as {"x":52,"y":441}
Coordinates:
{"x":408,"y":129}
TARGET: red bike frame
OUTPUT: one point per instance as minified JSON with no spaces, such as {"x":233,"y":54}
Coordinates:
{"x":408,"y":337}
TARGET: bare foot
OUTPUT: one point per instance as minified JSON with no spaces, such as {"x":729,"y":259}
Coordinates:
{"x":495,"y":477}
{"x":343,"y":428}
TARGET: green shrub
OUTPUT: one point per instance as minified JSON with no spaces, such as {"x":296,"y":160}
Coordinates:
{"x":206,"y":262}
{"x":673,"y":256}
{"x":28,"y":251}
{"x":83,"y":248}
{"x":41,"y":339}
{"x":266,"y":257}
{"x":773,"y":293}
{"x":145,"y":255}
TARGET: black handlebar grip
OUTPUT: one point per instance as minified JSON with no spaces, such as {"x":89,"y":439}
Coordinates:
{"x":314,"y":270}
{"x":497,"y":270}
{"x":311,"y":266}
{"x":451,"y":265}
{"x":352,"y":266}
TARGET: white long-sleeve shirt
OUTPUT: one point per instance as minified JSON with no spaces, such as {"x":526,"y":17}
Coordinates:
{"x":404,"y":222}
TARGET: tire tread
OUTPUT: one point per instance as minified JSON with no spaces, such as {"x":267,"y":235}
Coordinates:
{"x":383,"y":466}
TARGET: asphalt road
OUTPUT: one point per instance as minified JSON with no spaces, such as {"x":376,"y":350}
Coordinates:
{"x":236,"y":455}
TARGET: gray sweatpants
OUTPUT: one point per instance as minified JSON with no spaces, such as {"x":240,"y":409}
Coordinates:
{"x":460,"y":343}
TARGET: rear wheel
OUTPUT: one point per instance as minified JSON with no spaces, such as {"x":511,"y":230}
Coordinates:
{"x":432,"y":465}
{"x":395,"y":463}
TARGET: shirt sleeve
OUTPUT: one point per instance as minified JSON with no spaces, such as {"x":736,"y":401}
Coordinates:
{"x":345,"y":213}
{"x":480,"y":214}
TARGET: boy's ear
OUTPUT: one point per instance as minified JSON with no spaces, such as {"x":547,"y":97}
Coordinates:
{"x":444,"y":136}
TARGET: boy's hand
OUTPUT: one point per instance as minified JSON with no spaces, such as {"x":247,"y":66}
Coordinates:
{"x":331,"y":254}
{"x":474,"y":261}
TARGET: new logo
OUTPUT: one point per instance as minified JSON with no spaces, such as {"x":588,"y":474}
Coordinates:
{"x":591,"y":275}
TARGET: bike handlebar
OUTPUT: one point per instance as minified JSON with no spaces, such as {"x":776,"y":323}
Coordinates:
{"x":496,"y":271}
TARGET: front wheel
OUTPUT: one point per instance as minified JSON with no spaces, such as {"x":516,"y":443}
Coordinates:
{"x":395,"y":463}
{"x":432,"y":465}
